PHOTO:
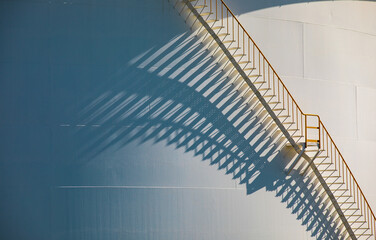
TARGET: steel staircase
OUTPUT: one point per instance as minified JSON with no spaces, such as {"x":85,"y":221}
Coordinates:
{"x":318,"y":157}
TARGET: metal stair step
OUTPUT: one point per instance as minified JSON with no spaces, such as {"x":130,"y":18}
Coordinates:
{"x":217,"y":27}
{"x":346,"y":202}
{"x":326,"y":177}
{"x":206,"y":13}
{"x":357,"y":221}
{"x":338,"y":196}
{"x":211,"y":20}
{"x":264,"y":89}
{"x":248,"y":69}
{"x":260,"y":82}
{"x":222,"y":34}
{"x":351,"y":209}
{"x":199,"y":6}
{"x":254,"y":76}
{"x":328,"y":170}
{"x":324,"y":163}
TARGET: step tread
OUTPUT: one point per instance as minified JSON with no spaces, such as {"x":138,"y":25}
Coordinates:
{"x":247,"y":69}
{"x":260,"y":82}
{"x":200,"y":6}
{"x":264,"y":89}
{"x":254,"y":75}
{"x":222,"y":34}
{"x":238,"y":55}
{"x":212,"y":20}
{"x":217,"y":27}
{"x":206,"y":13}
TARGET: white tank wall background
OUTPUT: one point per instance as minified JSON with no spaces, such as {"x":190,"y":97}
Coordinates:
{"x":89,"y":149}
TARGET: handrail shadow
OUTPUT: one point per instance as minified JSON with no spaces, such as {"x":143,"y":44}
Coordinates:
{"x":180,"y":94}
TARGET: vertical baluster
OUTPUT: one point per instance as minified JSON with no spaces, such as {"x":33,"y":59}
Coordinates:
{"x":221,"y":13}
{"x":336,"y":161}
{"x":253,"y":54}
{"x":319,"y":132}
{"x":327,"y":143}
{"x":279,"y":94}
{"x":347,"y":179}
{"x":288,"y":104}
{"x":227,"y":21}
{"x":301,"y":123}
{"x":216,"y":11}
{"x":268,"y":76}
{"x":243,"y":42}
{"x":331,"y":151}
{"x":373,"y":225}
{"x":353,"y":185}
{"x":357,"y":196}
{"x":233,"y":29}
{"x":259,"y":62}
{"x":238,"y":35}
{"x":292,"y":110}
{"x":354,"y":192}
{"x":263,"y":68}
{"x":297,"y":117}
{"x":350,"y":186}
{"x":341,"y":168}
{"x":249,"y":50}
{"x":305,"y":126}
{"x":367,"y":213}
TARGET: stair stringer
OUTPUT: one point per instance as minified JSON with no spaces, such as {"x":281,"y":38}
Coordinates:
{"x":275,"y":118}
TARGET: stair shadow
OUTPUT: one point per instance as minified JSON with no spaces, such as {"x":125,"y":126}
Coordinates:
{"x":180,"y":95}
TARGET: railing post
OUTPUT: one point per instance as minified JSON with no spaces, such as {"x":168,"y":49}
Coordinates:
{"x":216,"y":12}
{"x":305,"y":126}
{"x":319,"y":122}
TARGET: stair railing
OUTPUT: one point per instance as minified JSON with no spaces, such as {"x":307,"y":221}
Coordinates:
{"x":252,"y":58}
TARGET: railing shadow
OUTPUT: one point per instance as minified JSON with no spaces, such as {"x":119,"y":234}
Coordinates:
{"x":179,"y":94}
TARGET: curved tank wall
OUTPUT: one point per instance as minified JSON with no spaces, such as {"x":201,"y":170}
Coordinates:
{"x":104,"y":127}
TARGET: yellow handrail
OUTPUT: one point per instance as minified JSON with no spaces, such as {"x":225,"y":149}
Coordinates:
{"x":348,"y":177}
